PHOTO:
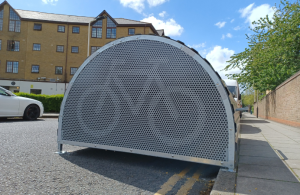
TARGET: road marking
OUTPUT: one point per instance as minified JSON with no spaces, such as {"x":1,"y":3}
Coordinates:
{"x":189,"y":184}
{"x":168,"y":186}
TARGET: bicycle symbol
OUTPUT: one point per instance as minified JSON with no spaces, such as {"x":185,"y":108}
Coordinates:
{"x":164,"y":94}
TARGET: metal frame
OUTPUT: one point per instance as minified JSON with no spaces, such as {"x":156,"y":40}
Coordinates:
{"x":230,"y":163}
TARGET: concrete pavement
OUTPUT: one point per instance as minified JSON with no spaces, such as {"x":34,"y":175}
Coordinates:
{"x":269,"y":160}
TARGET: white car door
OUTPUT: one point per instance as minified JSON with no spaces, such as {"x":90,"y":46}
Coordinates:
{"x":9,"y":105}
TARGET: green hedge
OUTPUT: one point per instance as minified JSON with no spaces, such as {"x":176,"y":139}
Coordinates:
{"x":51,"y":102}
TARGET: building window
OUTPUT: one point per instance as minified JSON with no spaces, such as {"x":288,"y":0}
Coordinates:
{"x":13,"y":45}
{"x":131,"y":31}
{"x":37,"y":27}
{"x":111,"y":30}
{"x":75,"y":29}
{"x":60,"y":28}
{"x":1,"y":20}
{"x":58,"y":70}
{"x":60,"y":48}
{"x":36,"y":91}
{"x":12,"y":66}
{"x":35,"y":68}
{"x":14,"y":21}
{"x":97,"y":29}
{"x":36,"y":47}
{"x":74,"y":49}
{"x":94,"y":48}
{"x":73,"y":70}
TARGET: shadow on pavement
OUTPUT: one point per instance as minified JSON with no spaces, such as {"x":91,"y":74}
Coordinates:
{"x":254,"y":121}
{"x":15,"y":120}
{"x":248,"y":129}
{"x":145,"y":172}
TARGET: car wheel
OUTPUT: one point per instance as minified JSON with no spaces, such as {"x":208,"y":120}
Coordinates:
{"x":32,"y":112}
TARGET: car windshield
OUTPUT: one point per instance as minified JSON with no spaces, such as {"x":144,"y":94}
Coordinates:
{"x":2,"y":90}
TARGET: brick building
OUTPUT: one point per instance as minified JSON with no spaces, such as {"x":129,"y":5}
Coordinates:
{"x":40,"y":52}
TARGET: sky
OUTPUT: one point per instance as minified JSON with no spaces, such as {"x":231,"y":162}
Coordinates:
{"x":217,"y":29}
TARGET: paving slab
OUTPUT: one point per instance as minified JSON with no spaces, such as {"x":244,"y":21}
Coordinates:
{"x":297,"y":171}
{"x":279,"y":138}
{"x":255,"y":186}
{"x":277,"y":145}
{"x":289,"y":150}
{"x":282,"y":142}
{"x":252,"y":135}
{"x":263,"y":153}
{"x":268,"y":136}
{"x":254,"y":142}
{"x":294,"y":164}
{"x":253,"y":138}
{"x":281,"y":173}
{"x":258,"y":147}
{"x":291,"y":156}
{"x":290,"y":135}
{"x":253,"y":160}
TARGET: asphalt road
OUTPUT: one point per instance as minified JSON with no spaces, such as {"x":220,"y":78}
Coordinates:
{"x":28,"y":165}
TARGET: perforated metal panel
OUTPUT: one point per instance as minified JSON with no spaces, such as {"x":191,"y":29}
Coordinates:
{"x":147,"y":95}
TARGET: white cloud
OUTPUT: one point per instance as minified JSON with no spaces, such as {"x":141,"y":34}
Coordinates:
{"x":148,"y":15}
{"x":229,"y":35}
{"x":137,"y":5}
{"x":203,"y":52}
{"x":245,"y":11}
{"x":220,"y":24}
{"x":153,"y":3}
{"x":196,"y":46}
{"x":52,"y":2}
{"x":254,"y":14}
{"x":218,"y":57}
{"x":237,"y":28}
{"x":170,"y":26}
{"x":162,"y":14}
{"x":232,"y":21}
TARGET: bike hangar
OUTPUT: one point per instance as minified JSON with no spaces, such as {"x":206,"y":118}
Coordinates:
{"x":151,"y":95}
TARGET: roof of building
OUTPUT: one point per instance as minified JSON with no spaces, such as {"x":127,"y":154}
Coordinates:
{"x":33,"y":15}
{"x":61,"y":18}
{"x":42,"y":16}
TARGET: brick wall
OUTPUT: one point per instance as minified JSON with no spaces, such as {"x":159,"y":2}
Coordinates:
{"x":283,"y":104}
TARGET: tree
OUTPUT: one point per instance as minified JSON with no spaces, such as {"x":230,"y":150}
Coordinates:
{"x":248,"y":97}
{"x":273,"y":52}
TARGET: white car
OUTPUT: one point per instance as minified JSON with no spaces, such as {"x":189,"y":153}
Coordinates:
{"x":12,"y":106}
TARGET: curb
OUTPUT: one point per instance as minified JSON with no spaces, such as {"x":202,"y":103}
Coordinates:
{"x":50,"y":116}
{"x":224,"y":184}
